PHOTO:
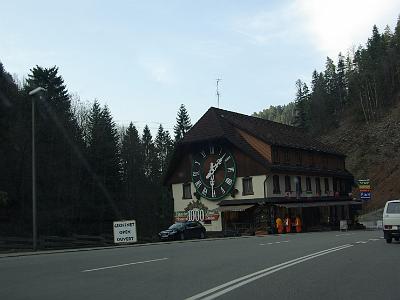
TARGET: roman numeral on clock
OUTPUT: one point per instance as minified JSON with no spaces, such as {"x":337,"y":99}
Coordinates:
{"x":229,"y":181}
{"x":204,"y":192}
{"x":211,"y":149}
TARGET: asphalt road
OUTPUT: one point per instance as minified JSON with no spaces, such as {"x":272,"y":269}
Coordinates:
{"x":328,"y":265}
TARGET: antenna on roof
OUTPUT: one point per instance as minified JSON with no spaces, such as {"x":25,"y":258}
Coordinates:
{"x":218,"y":80}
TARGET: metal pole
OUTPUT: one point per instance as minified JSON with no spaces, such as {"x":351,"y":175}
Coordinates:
{"x":34,"y":229}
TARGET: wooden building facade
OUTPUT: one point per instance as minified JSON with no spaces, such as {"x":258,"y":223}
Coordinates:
{"x":234,"y":172}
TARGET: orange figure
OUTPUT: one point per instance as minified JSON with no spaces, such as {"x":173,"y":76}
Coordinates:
{"x":298,"y":224}
{"x":279,"y":225}
{"x":288,"y":225}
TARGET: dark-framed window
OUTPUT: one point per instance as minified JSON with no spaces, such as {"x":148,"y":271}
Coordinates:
{"x":288,"y":185}
{"x":308,"y":184}
{"x":326,"y":183}
{"x":248,"y":186}
{"x":318,"y":185}
{"x":277,"y":188}
{"x":298,"y":184}
{"x":325,"y":162}
{"x":286,"y":156}
{"x":187,"y":191}
{"x":298,"y":158}
{"x":312,"y":160}
{"x":275,"y":154}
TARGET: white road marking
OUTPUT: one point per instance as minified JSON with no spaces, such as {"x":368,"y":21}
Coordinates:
{"x":236,"y":283}
{"x":373,"y":239}
{"x":124,"y":265}
{"x":344,"y":234}
{"x":273,"y":243}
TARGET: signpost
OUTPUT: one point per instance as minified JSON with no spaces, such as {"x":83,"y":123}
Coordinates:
{"x":365,"y":189}
{"x":125,"y":232}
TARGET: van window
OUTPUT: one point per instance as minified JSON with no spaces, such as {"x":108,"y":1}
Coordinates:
{"x":393,"y":208}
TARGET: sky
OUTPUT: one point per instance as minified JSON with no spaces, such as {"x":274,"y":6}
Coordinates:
{"x":145,"y":58}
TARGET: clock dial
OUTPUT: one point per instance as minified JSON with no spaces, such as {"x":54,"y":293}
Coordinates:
{"x":213,"y":172}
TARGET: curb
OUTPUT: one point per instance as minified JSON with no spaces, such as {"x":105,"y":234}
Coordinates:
{"x":44,"y":252}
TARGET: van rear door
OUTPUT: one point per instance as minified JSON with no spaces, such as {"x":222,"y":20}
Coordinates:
{"x":391,"y":214}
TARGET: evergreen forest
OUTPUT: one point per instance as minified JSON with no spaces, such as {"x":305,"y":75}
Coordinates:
{"x":362,"y":86}
{"x":90,"y":172}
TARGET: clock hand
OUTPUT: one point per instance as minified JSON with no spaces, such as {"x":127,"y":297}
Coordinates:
{"x":215,"y":166}
{"x":212,"y":181}
{"x":210,"y":171}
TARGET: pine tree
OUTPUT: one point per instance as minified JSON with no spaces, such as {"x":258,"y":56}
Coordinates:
{"x":164,"y":148}
{"x":183,"y":123}
{"x":58,"y":146}
{"x":103,"y":156}
{"x":132,"y":169}
{"x":151,"y":167}
{"x":302,"y":105}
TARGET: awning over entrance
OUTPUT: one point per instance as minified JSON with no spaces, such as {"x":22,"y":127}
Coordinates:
{"x":320,"y":203}
{"x":234,"y":208}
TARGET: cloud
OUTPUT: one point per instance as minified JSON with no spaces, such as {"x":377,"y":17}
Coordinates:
{"x":330,"y":26}
{"x":336,"y":25}
{"x":158,"y":70}
{"x":266,"y":27}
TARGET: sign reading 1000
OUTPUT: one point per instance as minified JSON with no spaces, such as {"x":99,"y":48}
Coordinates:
{"x":213,"y":172}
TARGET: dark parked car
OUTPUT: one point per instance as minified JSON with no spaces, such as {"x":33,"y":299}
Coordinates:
{"x":184,"y":230}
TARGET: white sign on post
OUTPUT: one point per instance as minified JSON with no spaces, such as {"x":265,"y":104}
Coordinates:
{"x":125,"y":232}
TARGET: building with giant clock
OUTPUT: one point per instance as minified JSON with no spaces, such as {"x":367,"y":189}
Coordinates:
{"x":237,"y":173}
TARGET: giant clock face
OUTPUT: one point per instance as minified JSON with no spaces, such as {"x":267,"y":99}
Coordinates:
{"x":213,"y":172}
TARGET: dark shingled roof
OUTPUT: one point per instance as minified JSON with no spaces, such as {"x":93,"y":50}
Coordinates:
{"x":218,"y":123}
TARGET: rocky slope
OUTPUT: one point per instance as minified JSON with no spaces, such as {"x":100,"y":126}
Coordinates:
{"x":373,"y":151}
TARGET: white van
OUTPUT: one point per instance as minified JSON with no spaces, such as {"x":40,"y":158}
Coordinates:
{"x":391,"y":220}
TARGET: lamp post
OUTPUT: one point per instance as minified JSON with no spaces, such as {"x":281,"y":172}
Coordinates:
{"x":34,"y":211}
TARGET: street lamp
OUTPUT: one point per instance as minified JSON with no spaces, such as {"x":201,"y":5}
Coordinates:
{"x":34,"y":213}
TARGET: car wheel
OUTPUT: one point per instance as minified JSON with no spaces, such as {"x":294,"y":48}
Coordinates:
{"x":202,"y":235}
{"x":396,"y":239}
{"x":182,"y":236}
{"x":389,"y":240}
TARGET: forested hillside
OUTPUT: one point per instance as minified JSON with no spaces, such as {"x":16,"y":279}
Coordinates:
{"x":355,"y":104}
{"x":89,"y":172}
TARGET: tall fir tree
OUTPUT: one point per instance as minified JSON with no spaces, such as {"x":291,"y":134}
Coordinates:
{"x":132,"y":169}
{"x":183,"y":123}
{"x":58,"y":145}
{"x":103,"y":157}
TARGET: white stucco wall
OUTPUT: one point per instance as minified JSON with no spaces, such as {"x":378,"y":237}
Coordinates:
{"x":180,"y":204}
{"x":258,"y":188}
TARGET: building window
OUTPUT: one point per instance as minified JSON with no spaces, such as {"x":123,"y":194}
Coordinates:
{"x":288,"y":187}
{"x":312,"y":160}
{"x":187,"y":191}
{"x":286,"y":156}
{"x":298,"y":185}
{"x":325,"y":162}
{"x":277,"y":188}
{"x":326,"y":181}
{"x":275,"y":154}
{"x":298,"y":158}
{"x":248,"y":186}
{"x":308,"y":184}
{"x":318,"y":186}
